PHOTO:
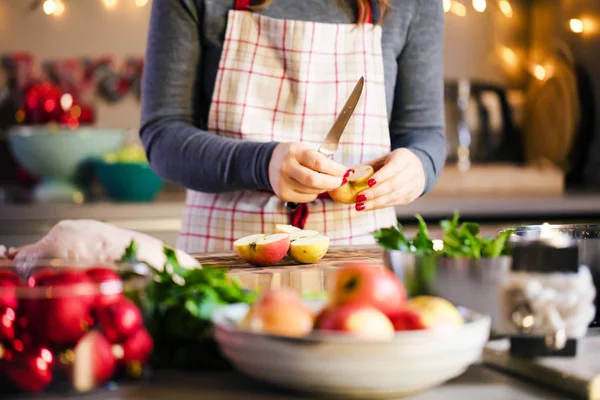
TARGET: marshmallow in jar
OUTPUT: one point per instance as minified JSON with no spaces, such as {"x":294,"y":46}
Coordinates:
{"x":548,"y":298}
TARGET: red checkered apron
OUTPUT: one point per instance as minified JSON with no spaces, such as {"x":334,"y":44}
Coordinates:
{"x":286,"y":80}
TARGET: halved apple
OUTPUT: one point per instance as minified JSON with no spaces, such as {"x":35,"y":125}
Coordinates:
{"x":263,"y":250}
{"x":309,"y":250}
{"x":289,"y":229}
{"x":357,"y":182}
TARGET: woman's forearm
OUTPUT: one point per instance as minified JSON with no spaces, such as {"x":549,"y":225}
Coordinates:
{"x":201,"y":161}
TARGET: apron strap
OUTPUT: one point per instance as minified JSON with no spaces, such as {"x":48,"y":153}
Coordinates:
{"x":242,"y":5}
{"x":372,"y":9}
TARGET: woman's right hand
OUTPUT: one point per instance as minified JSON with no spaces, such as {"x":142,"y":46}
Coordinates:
{"x":299,"y":174}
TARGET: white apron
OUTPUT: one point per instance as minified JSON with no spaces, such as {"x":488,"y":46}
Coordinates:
{"x":286,"y":80}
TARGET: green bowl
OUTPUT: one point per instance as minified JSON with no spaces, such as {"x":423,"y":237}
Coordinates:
{"x":129,"y":182}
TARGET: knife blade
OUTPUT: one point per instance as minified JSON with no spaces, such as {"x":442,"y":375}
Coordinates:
{"x":332,"y":140}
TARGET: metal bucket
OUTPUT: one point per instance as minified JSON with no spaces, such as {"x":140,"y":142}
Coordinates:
{"x":587,"y":237}
{"x":474,"y":284}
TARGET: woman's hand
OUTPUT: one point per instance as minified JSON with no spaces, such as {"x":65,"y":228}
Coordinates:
{"x":299,"y":174}
{"x":399,"y":180}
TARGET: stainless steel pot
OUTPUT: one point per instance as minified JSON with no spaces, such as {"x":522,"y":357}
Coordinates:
{"x":474,"y":284}
{"x":587,"y":237}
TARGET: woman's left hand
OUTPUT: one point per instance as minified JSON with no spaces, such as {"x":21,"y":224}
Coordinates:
{"x":399,"y":179}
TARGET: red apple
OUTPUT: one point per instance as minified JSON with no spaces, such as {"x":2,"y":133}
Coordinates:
{"x":263,"y":250}
{"x":94,"y":362}
{"x":407,"y":320}
{"x":369,"y":284}
{"x":136,"y":349}
{"x":111,"y":289}
{"x":120,"y":320}
{"x":359,"y":320}
{"x":29,"y":370}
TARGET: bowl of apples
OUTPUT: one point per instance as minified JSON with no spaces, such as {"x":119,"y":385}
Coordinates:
{"x":70,"y":326}
{"x":366,"y":340}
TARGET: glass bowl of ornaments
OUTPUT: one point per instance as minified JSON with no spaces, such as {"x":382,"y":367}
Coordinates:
{"x":71,"y":326}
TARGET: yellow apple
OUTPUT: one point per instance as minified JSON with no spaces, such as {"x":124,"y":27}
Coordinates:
{"x":356,"y":183}
{"x":427,"y":312}
{"x":309,"y":250}
{"x":289,"y":229}
{"x":263,"y":250}
{"x":358,"y":320}
{"x":279,"y":312}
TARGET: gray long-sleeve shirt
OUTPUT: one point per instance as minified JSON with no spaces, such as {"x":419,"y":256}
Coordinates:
{"x":184,"y":47}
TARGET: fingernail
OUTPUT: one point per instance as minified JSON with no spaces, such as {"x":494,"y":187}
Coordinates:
{"x":350,"y":171}
{"x":360,"y":207}
{"x":361,"y":198}
{"x":344,"y":181}
{"x":371,"y":182}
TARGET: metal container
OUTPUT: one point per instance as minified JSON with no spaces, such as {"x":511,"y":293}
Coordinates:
{"x":587,"y":237}
{"x":474,"y":284}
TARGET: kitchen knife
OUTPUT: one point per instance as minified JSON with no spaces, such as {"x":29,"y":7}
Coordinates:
{"x":332,"y":140}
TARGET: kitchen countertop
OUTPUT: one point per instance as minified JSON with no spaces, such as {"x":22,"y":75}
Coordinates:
{"x":478,"y":382}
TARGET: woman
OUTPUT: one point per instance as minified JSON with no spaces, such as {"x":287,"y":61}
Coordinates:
{"x":237,"y":97}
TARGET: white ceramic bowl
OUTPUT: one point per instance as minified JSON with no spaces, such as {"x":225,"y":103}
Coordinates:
{"x":341,"y":365}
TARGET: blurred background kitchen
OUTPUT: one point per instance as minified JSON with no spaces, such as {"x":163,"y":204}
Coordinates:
{"x":522,"y":96}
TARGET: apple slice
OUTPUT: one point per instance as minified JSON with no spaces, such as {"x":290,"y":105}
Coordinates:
{"x":289,"y":229}
{"x":263,"y":250}
{"x":309,"y":250}
{"x":302,"y":234}
{"x":357,"y":182}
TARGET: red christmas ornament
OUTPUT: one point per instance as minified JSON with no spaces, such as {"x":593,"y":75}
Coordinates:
{"x":110,"y":285}
{"x":42,"y":103}
{"x":93,"y":363}
{"x":9,"y":282}
{"x":29,"y":370}
{"x":120,"y":320}
{"x":137,"y":348}
{"x":63,"y":317}
{"x":7,"y":324}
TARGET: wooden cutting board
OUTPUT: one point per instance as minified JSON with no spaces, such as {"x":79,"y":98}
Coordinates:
{"x":578,"y":376}
{"x":312,"y":278}
{"x":334,"y":256}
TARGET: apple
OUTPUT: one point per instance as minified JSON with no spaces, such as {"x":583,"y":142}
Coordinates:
{"x":309,"y":250}
{"x":301,"y":234}
{"x":263,"y":250}
{"x":427,"y":312}
{"x":279,"y":312}
{"x":357,"y":319}
{"x":136,"y":349}
{"x":356,"y":183}
{"x":369,"y":284}
{"x":289,"y":229}
{"x":94,"y":363}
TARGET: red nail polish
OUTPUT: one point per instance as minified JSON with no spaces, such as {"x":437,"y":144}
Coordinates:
{"x":371,"y":182}
{"x":344,"y":181}
{"x":361,"y":198}
{"x":350,"y":171}
{"x":360,"y":207}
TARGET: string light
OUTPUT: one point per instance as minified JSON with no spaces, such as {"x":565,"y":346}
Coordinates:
{"x":141,"y":3}
{"x":60,"y":8}
{"x":110,"y":3}
{"x":49,"y":7}
{"x":539,"y":72}
{"x":447,"y":4}
{"x":506,"y":8}
{"x":479,"y":5}
{"x":509,"y":56}
{"x":576,"y":25}
{"x":458,"y":9}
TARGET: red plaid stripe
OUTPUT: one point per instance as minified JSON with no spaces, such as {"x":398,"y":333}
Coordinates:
{"x":275,"y":83}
